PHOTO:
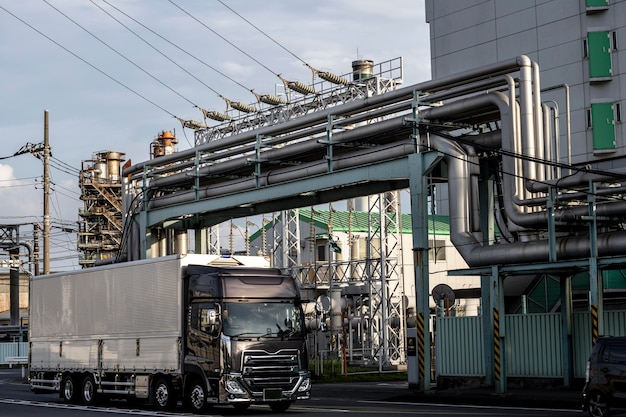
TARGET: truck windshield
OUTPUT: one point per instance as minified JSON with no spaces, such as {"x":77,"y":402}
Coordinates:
{"x":262,"y":319}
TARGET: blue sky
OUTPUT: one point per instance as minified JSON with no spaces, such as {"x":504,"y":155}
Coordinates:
{"x":49,"y":62}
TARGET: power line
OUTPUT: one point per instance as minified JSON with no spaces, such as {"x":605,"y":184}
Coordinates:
{"x":294,"y":85}
{"x":120,"y":54}
{"x":66,"y":189}
{"x":224,"y":39}
{"x":263,"y":33}
{"x":64,"y":164}
{"x":88,"y":63}
{"x":62,"y":168}
{"x":156,"y":49}
{"x":18,"y":185}
{"x":21,"y":179}
{"x":178,"y":47}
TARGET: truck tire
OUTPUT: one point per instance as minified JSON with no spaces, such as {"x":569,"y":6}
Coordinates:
{"x":88,"y":391}
{"x":69,"y":389}
{"x":195,"y":396}
{"x":164,"y":396}
{"x":280,"y":406}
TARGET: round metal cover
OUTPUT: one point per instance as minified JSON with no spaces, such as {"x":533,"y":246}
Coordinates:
{"x":443,"y":292}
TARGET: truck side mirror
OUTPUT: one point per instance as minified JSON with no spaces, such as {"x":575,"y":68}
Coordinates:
{"x":212,"y":317}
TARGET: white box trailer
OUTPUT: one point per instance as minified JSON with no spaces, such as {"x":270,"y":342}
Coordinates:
{"x":127,"y":330}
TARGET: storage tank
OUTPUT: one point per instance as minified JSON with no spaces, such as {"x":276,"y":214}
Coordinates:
{"x":362,"y":69}
{"x":163,"y":144}
{"x":100,"y":170}
{"x":114,"y":160}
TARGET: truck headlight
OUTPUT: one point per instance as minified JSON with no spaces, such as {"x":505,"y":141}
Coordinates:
{"x":233,"y":386}
{"x":305,"y":386}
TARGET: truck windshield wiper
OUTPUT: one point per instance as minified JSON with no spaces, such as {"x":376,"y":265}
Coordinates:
{"x":249,"y":334}
{"x":282,"y":334}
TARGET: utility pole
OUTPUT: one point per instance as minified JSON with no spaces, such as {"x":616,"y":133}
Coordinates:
{"x":46,"y":195}
{"x":36,"y":248}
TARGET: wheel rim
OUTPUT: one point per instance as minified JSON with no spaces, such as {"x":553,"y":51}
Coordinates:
{"x":196,"y":397}
{"x":68,"y":389}
{"x":88,"y":391}
{"x":597,"y":405}
{"x":162,"y":395}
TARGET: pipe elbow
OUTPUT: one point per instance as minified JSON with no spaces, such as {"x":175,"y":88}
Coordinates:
{"x":524,"y":61}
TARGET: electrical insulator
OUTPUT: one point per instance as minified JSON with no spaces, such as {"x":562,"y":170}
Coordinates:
{"x":193,"y":124}
{"x":215,"y":115}
{"x":237,"y":105}
{"x":272,"y":100}
{"x":332,"y":78}
{"x":301,"y":88}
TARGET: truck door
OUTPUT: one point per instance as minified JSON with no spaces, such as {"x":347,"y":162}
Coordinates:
{"x":202,"y":336}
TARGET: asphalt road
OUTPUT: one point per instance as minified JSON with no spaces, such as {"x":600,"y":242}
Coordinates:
{"x":363,"y":399}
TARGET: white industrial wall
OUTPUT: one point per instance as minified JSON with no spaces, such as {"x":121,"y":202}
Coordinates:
{"x":472,"y":33}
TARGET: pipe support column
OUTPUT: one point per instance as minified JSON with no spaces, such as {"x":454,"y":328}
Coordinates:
{"x":422,"y":164}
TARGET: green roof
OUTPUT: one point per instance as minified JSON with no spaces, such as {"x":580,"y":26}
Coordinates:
{"x":437,"y":224}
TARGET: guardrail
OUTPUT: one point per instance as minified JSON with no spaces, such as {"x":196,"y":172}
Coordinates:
{"x":16,"y":360}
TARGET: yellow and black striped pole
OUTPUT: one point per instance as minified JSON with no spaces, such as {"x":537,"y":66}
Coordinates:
{"x":595,"y":325}
{"x":420,"y":347}
{"x":496,"y":344}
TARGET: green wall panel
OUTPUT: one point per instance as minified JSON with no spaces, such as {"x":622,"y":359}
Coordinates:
{"x":603,"y":126}
{"x":596,"y":3}
{"x":599,"y":46}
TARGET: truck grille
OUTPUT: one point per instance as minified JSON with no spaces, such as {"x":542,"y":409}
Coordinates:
{"x":262,"y":370}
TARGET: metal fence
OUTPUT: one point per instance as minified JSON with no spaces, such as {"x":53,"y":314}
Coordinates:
{"x":533,"y":346}
{"x":14,"y":349}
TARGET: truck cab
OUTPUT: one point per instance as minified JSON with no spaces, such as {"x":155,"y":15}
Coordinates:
{"x":245,"y":338}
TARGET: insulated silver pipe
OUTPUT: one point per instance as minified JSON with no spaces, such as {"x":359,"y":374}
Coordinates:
{"x":476,"y":255}
{"x":511,"y":204}
{"x":580,"y":180}
{"x":369,"y":103}
{"x":538,"y":123}
{"x":221,"y":154}
{"x":362,"y":157}
{"x":277,"y":154}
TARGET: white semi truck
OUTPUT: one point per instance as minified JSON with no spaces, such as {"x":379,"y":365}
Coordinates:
{"x":169,"y":329}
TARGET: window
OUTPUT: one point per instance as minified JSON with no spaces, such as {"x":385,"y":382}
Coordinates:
{"x":203,"y":317}
{"x":321,"y":250}
{"x":436,"y":250}
{"x":614,"y":354}
{"x":267,"y":319}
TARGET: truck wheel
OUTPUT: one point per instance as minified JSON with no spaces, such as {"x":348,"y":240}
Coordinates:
{"x":164,"y":395}
{"x":195,"y":396}
{"x":280,"y":406}
{"x":597,"y":405}
{"x":69,"y":390}
{"x":88,"y":391}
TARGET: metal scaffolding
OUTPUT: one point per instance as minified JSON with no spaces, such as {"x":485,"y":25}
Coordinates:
{"x":100,"y":224}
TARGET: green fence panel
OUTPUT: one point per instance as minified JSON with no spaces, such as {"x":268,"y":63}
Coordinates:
{"x":459,"y":346}
{"x":533,"y":346}
{"x":12,"y":349}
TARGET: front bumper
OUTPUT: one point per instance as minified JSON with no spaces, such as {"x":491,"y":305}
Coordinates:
{"x":236,"y":390}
